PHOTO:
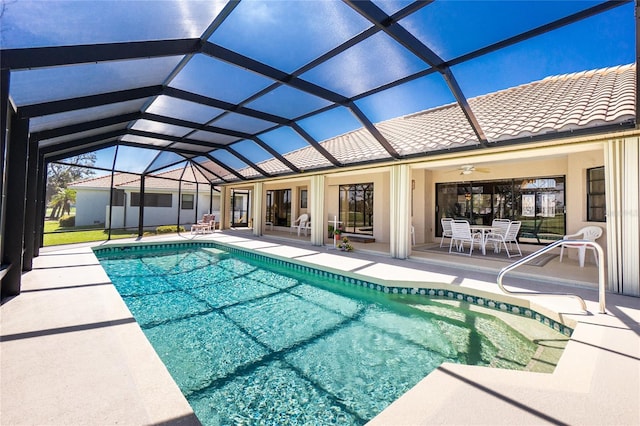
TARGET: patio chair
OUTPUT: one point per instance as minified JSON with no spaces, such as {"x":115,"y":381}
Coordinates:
{"x":461,"y":233}
{"x":510,"y":236}
{"x":307,"y":226}
{"x":589,"y":233}
{"x":300,"y":223}
{"x":502,"y":224}
{"x":446,"y":228}
{"x":207,"y":224}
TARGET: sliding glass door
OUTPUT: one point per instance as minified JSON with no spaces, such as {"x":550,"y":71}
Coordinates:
{"x":356,"y":208}
{"x":538,"y":202}
{"x":240,"y":208}
{"x":279,"y":207}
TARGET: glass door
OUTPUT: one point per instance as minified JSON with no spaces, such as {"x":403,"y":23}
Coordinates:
{"x":279,"y":207}
{"x":541,"y":208}
{"x":240,"y":208}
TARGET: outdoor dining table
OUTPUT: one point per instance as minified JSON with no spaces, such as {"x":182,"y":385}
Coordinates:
{"x":484,"y":230}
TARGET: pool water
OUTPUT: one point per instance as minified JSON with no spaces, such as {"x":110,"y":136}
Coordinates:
{"x":250,"y":344}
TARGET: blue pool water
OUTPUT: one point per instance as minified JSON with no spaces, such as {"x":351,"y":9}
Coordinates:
{"x":250,"y":344}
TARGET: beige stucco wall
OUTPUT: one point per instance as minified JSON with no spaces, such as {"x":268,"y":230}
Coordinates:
{"x":422,"y":217}
{"x":380,"y":179}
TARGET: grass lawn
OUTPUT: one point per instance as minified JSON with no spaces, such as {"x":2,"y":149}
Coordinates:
{"x":55,"y":235}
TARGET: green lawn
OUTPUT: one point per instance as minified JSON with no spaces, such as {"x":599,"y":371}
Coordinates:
{"x":55,"y":235}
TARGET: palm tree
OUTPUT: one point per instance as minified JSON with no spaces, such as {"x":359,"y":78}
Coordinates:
{"x":61,"y":202}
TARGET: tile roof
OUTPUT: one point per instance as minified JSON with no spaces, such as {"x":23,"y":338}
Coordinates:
{"x":555,"y":104}
{"x":98,"y":182}
{"x":132,"y":181}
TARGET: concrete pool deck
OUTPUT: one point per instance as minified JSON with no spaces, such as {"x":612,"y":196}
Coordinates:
{"x":70,"y":352}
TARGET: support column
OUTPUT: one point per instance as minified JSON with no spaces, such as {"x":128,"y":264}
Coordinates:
{"x":224,"y":193}
{"x":141,"y":208}
{"x":5,"y":107}
{"x":41,"y":197}
{"x":30,"y":207}
{"x":400,"y":211}
{"x":622,"y":164}
{"x":16,"y":183}
{"x":258,"y":215}
{"x":316,"y":210}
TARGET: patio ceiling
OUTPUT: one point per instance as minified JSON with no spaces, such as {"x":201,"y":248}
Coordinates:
{"x":232,"y":86}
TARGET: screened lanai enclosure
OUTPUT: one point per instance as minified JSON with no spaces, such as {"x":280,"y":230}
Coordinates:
{"x":174,"y":100}
{"x":127,"y":200}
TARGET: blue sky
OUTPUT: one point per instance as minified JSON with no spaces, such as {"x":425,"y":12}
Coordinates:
{"x":450,"y":28}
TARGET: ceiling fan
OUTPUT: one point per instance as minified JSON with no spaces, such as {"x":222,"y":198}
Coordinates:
{"x":467,"y":169}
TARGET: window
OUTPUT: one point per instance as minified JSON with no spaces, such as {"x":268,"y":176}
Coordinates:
{"x":117,"y":197}
{"x":152,"y":200}
{"x":187,"y":202}
{"x":596,"y":201}
{"x":356,"y":208}
{"x":303,"y":198}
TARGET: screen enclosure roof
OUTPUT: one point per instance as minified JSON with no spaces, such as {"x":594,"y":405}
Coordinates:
{"x":252,"y":89}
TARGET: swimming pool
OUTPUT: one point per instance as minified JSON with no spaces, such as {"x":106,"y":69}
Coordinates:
{"x":250,"y":342}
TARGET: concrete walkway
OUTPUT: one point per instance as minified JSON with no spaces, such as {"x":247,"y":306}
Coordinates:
{"x":72,"y":354}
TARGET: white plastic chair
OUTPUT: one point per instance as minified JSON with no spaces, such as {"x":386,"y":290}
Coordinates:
{"x":510,"y":236}
{"x":589,"y":233}
{"x":461,"y":233}
{"x":446,"y":228}
{"x":300,"y":223}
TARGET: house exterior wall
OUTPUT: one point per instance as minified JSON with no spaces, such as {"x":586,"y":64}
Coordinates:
{"x":568,"y":158}
{"x":90,"y":206}
{"x":422,"y":216}
{"x":576,"y":193}
{"x":156,"y":216}
{"x":380,"y":179}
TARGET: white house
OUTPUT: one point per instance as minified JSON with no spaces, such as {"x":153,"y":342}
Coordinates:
{"x":167,"y":201}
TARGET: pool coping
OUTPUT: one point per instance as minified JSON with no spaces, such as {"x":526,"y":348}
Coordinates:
{"x":597,"y":380}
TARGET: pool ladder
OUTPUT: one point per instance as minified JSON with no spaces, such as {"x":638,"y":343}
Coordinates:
{"x":526,"y":259}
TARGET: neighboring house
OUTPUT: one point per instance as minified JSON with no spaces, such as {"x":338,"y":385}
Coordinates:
{"x":164,"y":195}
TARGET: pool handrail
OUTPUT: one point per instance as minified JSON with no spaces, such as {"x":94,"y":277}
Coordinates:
{"x":545,"y":249}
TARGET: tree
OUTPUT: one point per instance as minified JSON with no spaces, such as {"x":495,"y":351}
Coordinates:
{"x":60,"y":175}
{"x":61,"y":202}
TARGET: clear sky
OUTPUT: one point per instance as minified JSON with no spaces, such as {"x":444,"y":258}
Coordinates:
{"x":288,"y":34}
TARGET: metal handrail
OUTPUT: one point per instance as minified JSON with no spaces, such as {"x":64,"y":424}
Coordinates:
{"x":526,"y":259}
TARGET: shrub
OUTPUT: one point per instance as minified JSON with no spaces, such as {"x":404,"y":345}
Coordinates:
{"x":67,"y":221}
{"x":169,"y":229}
